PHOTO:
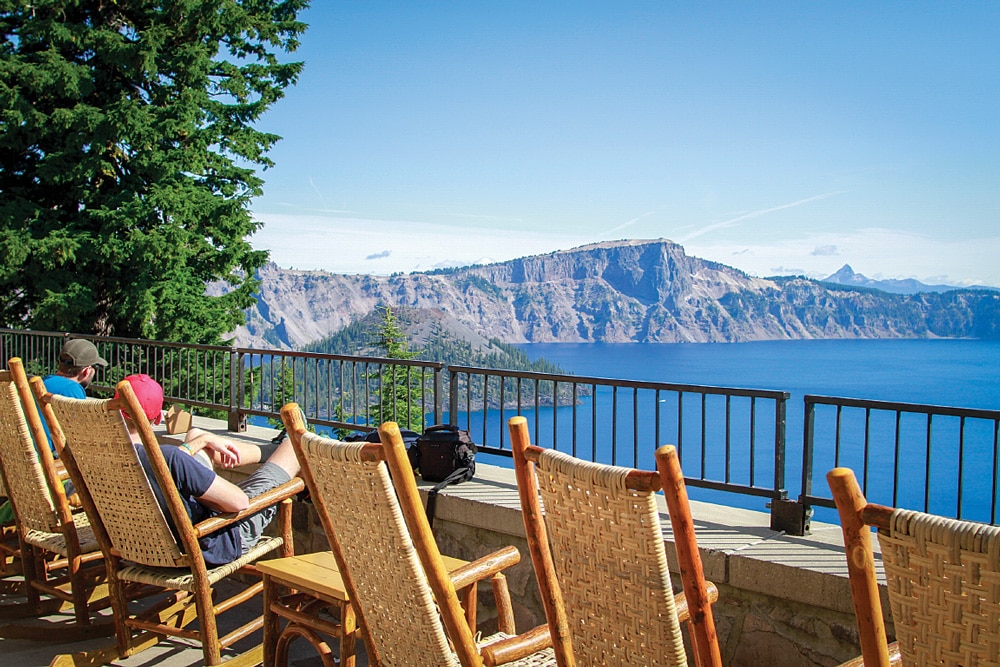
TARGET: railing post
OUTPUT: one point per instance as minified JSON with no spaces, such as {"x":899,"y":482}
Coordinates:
{"x":438,"y":394}
{"x":452,"y":397}
{"x":794,"y":516}
{"x":780,"y":432}
{"x":237,"y":420}
{"x":788,"y":516}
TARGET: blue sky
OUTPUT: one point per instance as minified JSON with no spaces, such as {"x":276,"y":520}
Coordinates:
{"x":777,"y":137}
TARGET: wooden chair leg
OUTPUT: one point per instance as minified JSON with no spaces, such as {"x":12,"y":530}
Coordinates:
{"x":348,"y":637}
{"x":271,"y":621}
{"x":505,"y":612}
{"x":209,"y":628}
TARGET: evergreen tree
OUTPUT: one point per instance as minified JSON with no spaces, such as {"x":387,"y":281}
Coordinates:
{"x":400,"y":387}
{"x":128,"y":159}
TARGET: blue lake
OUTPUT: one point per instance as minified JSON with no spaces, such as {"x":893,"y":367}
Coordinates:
{"x":963,"y":373}
{"x":960,"y":373}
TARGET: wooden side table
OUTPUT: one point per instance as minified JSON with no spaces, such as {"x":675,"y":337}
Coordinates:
{"x":316,"y":584}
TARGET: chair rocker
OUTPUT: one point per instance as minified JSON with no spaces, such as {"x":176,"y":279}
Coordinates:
{"x":601,"y":563}
{"x":135,"y":537}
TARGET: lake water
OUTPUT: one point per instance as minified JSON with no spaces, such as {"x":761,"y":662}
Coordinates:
{"x":963,"y":373}
{"x":959,"y":373}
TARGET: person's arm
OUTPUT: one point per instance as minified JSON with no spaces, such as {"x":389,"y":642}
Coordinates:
{"x":223,"y":451}
{"x":224,"y":496}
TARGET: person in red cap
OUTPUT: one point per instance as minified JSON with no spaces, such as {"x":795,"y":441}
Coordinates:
{"x":203,"y":491}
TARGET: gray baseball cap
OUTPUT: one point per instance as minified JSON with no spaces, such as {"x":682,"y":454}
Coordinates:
{"x":82,"y":353}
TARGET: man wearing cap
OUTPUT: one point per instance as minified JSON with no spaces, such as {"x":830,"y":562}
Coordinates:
{"x":203,"y":492}
{"x":78,"y":362}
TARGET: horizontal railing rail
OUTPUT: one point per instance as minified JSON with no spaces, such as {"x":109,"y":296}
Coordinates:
{"x":937,"y":459}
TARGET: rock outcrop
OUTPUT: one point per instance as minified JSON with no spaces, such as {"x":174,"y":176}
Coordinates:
{"x":624,"y":291}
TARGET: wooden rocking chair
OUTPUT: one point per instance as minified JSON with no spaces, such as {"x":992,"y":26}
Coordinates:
{"x":406,"y":600}
{"x":601,"y":563}
{"x":943,"y":580}
{"x":138,"y":544}
{"x":52,"y":540}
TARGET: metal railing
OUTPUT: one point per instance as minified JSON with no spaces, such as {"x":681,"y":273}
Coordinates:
{"x":939,"y":459}
{"x":342,"y":392}
{"x":730,"y":440}
{"x":336,"y":391}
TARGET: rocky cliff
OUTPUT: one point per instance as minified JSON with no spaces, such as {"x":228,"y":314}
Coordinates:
{"x":625,"y":291}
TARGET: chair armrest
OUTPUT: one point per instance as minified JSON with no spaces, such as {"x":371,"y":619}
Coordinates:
{"x":485,"y":567}
{"x":683,"y":614}
{"x":895,"y":659}
{"x":514,"y":648}
{"x":257,"y":503}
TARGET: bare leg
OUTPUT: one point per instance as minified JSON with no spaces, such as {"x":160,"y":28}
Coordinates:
{"x":284,"y":457}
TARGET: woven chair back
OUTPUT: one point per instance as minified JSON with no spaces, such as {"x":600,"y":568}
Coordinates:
{"x":609,"y":558}
{"x":103,"y":451}
{"x":26,"y":485}
{"x":392,"y":588}
{"x":943,"y":577}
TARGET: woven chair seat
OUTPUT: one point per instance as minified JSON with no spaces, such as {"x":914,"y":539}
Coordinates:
{"x":179,"y":578}
{"x":56,"y":542}
{"x":406,"y":601}
{"x":56,"y":547}
{"x":608,"y":551}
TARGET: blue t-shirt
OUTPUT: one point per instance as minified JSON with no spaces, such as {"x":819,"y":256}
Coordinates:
{"x":192,"y":480}
{"x":63,"y":386}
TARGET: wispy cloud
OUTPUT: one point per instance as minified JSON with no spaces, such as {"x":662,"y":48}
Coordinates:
{"x":318,"y":193}
{"x":824,"y":251}
{"x":628,"y":223}
{"x":367,"y":245}
{"x":755,"y":214}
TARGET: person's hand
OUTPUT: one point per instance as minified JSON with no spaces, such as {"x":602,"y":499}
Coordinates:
{"x":223,"y":451}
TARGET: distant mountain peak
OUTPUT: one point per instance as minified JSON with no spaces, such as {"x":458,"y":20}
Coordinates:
{"x":843,"y":272}
{"x":846,"y":276}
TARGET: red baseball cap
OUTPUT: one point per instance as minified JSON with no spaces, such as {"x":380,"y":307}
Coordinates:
{"x":150,"y":395}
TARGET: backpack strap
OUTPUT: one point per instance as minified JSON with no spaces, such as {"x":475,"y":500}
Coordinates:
{"x":459,"y":475}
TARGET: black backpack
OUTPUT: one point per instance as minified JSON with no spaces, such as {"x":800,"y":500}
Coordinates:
{"x":444,"y":454}
{"x":409,"y":437}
